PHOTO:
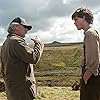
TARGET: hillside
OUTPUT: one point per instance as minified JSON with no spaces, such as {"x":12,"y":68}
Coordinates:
{"x":60,"y":57}
{"x":56,"y":44}
{"x":60,"y":65}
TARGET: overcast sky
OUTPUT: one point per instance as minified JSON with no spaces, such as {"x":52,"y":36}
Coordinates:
{"x":51,"y":19}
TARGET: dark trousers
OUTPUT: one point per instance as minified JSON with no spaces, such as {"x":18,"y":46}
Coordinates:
{"x":91,"y":90}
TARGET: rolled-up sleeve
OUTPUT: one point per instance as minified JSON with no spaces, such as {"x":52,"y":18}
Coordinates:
{"x":92,"y":53}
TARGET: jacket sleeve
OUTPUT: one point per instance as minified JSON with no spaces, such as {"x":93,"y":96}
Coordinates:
{"x":26,"y":54}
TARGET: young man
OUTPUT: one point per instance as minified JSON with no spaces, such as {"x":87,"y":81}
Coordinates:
{"x":90,"y":83}
{"x":16,"y":61}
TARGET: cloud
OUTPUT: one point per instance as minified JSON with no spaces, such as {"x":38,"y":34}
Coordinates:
{"x":2,"y":35}
{"x":97,"y":21}
{"x":51,"y":19}
{"x":62,"y":30}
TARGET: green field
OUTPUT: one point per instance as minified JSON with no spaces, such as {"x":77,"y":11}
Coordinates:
{"x":58,"y":69}
{"x":60,"y":57}
{"x":59,"y":66}
{"x":57,"y":93}
{"x":53,"y":93}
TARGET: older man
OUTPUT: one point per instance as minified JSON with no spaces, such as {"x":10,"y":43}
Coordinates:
{"x":17,"y":60}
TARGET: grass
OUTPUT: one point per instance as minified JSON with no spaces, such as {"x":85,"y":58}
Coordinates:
{"x":57,"y":70}
{"x":57,"y":93}
{"x":53,"y":93}
{"x":60,"y":58}
{"x":57,"y":80}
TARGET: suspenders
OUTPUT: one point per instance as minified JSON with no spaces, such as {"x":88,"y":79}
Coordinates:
{"x":83,"y":66}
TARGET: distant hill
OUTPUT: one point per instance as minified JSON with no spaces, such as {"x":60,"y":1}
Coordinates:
{"x":56,"y":44}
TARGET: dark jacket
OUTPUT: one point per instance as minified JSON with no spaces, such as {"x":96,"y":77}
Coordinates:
{"x":16,"y":57}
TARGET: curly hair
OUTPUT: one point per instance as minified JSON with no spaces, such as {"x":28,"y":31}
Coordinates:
{"x":81,"y":12}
